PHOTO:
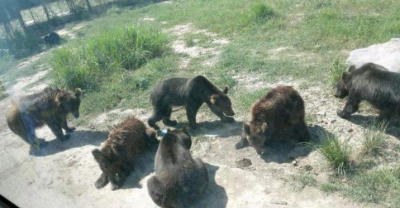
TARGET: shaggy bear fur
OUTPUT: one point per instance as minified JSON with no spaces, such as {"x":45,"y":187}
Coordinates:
{"x":371,"y":83}
{"x":179,"y":178}
{"x":118,"y":154}
{"x":50,"y":107}
{"x":281,"y":111}
{"x":191,"y":93}
{"x":341,"y":90}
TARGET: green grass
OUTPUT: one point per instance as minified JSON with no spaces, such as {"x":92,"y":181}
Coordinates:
{"x":303,"y":180}
{"x":260,"y":12}
{"x":374,"y":139}
{"x":336,"y":153}
{"x":94,"y":63}
{"x":379,"y":186}
{"x":336,"y":72}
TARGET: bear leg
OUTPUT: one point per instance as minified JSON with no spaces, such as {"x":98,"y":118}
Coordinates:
{"x":156,"y":190}
{"x":350,"y":107}
{"x":55,"y":127}
{"x":65,"y":126}
{"x":191,"y":111}
{"x":167,"y":117}
{"x":301,"y":131}
{"x":102,"y":181}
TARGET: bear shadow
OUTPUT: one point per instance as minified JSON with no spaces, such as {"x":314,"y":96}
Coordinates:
{"x":287,"y":151}
{"x":144,"y":166}
{"x":215,"y":128}
{"x":215,"y":195}
{"x":79,"y":138}
{"x":366,"y":121}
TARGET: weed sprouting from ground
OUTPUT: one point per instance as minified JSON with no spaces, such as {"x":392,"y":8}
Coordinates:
{"x":374,"y":138}
{"x":336,"y":71}
{"x":336,"y":153}
{"x":95,"y":61}
{"x":260,"y":12}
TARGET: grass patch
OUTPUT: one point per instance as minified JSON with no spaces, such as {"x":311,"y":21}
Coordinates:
{"x":336,"y":71}
{"x":336,"y":153}
{"x":330,"y":187}
{"x":379,"y":186}
{"x":93,"y":63}
{"x":374,"y":139}
{"x":260,"y":13}
{"x":303,"y":180}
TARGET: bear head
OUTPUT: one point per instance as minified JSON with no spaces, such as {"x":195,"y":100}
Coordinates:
{"x":342,"y":90}
{"x":222,"y":102}
{"x":112,"y":166}
{"x":69,"y":102}
{"x":256,"y":136}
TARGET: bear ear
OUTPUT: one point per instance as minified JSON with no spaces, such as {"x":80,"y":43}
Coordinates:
{"x":78,"y":92}
{"x":264,"y":127}
{"x":246,"y":128}
{"x":213,"y":99}
{"x":346,"y":76}
{"x":351,"y":68}
{"x":225,"y":91}
{"x":60,"y":98}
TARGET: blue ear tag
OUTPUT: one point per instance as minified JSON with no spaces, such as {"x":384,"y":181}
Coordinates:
{"x":162,"y":132}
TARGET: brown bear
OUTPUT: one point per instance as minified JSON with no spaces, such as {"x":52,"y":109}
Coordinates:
{"x":50,"y":107}
{"x":179,"y":179}
{"x":372,"y":83}
{"x":280,"y":111}
{"x":117,"y":155}
{"x":191,"y":93}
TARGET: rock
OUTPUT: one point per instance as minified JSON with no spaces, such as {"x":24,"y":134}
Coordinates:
{"x":279,"y":202}
{"x":386,"y":55}
{"x":243,"y":163}
{"x":294,"y":163}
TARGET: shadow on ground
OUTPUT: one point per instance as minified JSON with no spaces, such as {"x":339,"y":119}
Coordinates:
{"x":286,"y":152}
{"x":78,"y":138}
{"x":393,"y":128}
{"x":215,"y":128}
{"x":215,"y":195}
{"x":143,"y":167}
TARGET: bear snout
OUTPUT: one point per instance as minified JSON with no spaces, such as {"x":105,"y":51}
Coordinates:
{"x":229,"y":112}
{"x":75,"y":114}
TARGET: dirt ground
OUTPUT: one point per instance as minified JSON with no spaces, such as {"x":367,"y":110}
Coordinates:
{"x":65,"y":174}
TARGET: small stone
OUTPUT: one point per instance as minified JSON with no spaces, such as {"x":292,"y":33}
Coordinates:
{"x":350,"y":130}
{"x":333,"y":121}
{"x":243,"y":163}
{"x":294,"y":163}
{"x":279,"y":202}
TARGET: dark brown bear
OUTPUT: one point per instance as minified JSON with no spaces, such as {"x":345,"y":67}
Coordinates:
{"x":341,"y":90}
{"x":281,"y":111}
{"x":179,"y":179}
{"x":371,"y":83}
{"x":50,"y":107}
{"x":191,"y":93}
{"x":117,"y":155}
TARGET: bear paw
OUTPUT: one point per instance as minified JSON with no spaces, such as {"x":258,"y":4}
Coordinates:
{"x":342,"y":114}
{"x":228,"y":119}
{"x":65,"y":137}
{"x":70,"y":129}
